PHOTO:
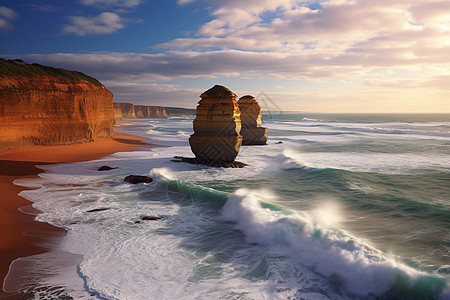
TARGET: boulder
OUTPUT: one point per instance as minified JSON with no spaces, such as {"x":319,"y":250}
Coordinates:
{"x":106,"y":168}
{"x":252,"y":132}
{"x":217,"y":127}
{"x":137,"y":179}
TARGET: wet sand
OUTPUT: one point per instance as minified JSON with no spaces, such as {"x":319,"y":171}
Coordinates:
{"x":20,"y":235}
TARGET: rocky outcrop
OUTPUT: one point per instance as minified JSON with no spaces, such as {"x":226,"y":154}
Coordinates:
{"x":131,"y":111}
{"x":134,"y":179}
{"x":252,"y":132}
{"x":149,"y":112}
{"x":117,"y":112}
{"x":216,"y":139}
{"x":127,"y":110}
{"x":42,"y":105}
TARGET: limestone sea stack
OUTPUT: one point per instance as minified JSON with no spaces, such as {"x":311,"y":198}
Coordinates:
{"x":252,"y":132}
{"x":216,"y":139}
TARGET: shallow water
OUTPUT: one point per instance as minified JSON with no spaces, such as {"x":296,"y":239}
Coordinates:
{"x":347,"y":207}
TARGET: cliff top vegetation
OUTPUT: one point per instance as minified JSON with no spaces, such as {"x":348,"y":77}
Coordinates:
{"x":17,"y":67}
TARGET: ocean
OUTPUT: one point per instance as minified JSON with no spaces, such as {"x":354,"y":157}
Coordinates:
{"x":335,"y":206}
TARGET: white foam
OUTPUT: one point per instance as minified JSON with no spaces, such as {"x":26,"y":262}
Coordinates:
{"x":362,"y":269}
{"x":390,"y":163}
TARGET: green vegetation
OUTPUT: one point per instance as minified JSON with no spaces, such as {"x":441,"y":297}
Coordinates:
{"x":17,"y":67}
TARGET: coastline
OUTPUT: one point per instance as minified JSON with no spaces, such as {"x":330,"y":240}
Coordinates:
{"x":22,"y":236}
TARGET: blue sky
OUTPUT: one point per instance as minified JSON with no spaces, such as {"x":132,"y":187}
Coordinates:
{"x":316,"y":56}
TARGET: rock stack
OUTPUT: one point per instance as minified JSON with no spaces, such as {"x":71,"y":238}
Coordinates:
{"x":252,"y":132}
{"x":216,"y":140}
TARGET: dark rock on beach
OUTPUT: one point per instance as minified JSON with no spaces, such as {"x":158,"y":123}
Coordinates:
{"x":97,"y":209}
{"x":151,"y":218}
{"x":137,"y":179}
{"x":106,"y":168}
{"x":210,"y":163}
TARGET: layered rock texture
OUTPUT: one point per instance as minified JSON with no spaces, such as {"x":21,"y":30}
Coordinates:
{"x":41,"y":105}
{"x":252,"y":132}
{"x":127,"y":110}
{"x":147,"y":112}
{"x":131,"y":111}
{"x":216,"y":139}
{"x":117,"y":112}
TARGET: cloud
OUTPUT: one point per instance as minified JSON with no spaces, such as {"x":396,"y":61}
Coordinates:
{"x":104,"y":23}
{"x":111,"y":3}
{"x":6,"y":16}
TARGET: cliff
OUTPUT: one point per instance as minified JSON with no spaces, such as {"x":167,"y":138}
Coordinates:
{"x":127,"y":110}
{"x":216,"y":139}
{"x":41,"y":105}
{"x":117,"y":112}
{"x":147,"y":112}
{"x":131,"y":111}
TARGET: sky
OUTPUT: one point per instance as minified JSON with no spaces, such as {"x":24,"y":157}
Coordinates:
{"x":313,"y":56}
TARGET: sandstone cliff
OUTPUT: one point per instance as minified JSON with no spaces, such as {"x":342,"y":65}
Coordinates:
{"x":117,"y":112}
{"x":252,"y":132}
{"x":127,"y":110}
{"x":216,"y":137}
{"x":41,"y":105}
{"x":131,"y":111}
{"x":147,"y":112}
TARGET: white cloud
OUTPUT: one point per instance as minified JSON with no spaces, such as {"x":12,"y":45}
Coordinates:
{"x":6,"y":16}
{"x":110,"y":3}
{"x":104,"y":23}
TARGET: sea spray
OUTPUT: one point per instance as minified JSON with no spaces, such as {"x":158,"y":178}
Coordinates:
{"x":362,"y":269}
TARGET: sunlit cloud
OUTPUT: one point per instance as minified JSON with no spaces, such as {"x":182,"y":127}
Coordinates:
{"x":104,"y":23}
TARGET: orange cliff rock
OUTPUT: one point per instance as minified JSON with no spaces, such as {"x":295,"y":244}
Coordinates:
{"x":147,"y":112}
{"x":127,"y":110}
{"x":131,"y":111}
{"x":41,"y":105}
{"x":252,"y":132}
{"x":216,"y":139}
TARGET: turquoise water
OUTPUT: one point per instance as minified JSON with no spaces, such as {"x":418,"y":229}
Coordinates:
{"x":348,"y":206}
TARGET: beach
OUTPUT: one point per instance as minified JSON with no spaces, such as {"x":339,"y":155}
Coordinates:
{"x":21,"y":235}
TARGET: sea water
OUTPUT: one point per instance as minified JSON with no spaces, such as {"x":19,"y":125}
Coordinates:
{"x":345,"y":207}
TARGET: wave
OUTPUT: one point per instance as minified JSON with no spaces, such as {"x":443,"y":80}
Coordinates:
{"x":361,"y":269}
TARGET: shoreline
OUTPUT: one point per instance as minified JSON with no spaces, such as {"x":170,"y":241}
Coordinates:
{"x":22,"y":236}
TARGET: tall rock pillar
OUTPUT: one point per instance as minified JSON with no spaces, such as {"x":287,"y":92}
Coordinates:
{"x":216,"y":139}
{"x":252,"y":132}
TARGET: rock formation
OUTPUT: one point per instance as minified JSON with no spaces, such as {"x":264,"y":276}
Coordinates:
{"x":252,"y":132}
{"x":148,"y":112}
{"x":216,"y":139}
{"x":127,"y":110}
{"x":117,"y":112}
{"x":42,"y":105}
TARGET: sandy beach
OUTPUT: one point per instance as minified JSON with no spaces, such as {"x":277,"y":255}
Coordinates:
{"x":21,"y":236}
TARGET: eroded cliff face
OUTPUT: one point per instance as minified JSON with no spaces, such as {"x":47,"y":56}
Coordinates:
{"x":147,"y":112}
{"x":52,"y":110}
{"x":127,"y":110}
